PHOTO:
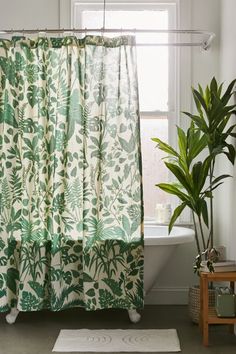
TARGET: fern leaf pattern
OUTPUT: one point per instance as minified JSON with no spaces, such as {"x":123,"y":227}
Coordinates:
{"x":70,"y":174}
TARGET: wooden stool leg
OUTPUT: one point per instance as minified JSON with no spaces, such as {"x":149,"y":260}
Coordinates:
{"x":231,"y":328}
{"x":201,"y":305}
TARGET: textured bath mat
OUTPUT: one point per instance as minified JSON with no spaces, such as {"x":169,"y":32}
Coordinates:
{"x":117,"y":340}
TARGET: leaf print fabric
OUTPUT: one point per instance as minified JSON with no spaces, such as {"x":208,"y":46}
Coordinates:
{"x":70,"y":174}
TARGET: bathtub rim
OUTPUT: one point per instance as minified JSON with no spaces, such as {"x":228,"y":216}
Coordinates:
{"x":186,"y":236}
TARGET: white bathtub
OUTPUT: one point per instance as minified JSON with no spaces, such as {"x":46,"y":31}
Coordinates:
{"x":159,"y":247}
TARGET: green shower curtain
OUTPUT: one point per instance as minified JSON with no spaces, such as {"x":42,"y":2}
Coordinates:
{"x":70,"y":174}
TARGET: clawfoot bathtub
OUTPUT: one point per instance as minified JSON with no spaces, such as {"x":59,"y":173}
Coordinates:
{"x":159,"y":246}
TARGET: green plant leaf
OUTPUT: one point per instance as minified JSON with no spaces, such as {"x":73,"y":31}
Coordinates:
{"x":179,"y":174}
{"x":214,"y":86}
{"x":198,"y":120}
{"x":201,"y":100}
{"x":172,"y":189}
{"x":196,"y":173}
{"x":175,"y":215}
{"x":205,"y":171}
{"x":198,"y":145}
{"x":165,"y":147}
{"x":231,"y":153}
{"x":182,"y":142}
{"x":228,"y":93}
{"x":204,"y":212}
{"x":216,"y":180}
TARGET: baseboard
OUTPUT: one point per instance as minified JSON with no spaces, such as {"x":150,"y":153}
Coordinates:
{"x":167,"y":296}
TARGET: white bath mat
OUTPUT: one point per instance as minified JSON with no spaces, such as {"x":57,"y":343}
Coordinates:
{"x":117,"y":340}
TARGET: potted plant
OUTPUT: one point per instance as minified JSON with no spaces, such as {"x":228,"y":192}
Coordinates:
{"x":193,"y":164}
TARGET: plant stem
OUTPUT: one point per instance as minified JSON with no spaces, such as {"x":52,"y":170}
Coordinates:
{"x":210,"y":241}
{"x":202,"y":234}
{"x":196,"y":235}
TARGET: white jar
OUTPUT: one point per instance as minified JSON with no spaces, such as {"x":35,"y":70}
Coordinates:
{"x":163,"y":213}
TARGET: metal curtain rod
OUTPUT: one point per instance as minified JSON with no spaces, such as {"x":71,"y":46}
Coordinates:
{"x":205,"y":43}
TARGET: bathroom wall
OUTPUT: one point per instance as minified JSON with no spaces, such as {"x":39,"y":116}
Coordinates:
{"x":29,"y":14}
{"x":172,"y":285}
{"x":226,"y":197}
{"x":205,"y":64}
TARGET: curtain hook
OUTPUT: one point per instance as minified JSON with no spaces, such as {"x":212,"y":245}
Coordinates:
{"x":68,"y":33}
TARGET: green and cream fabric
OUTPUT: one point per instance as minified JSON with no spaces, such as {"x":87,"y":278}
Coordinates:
{"x":70,"y":174}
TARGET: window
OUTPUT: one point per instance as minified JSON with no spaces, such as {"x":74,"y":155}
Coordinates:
{"x":156,"y":75}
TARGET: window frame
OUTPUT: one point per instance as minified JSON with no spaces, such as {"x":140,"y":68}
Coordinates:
{"x":171,"y":6}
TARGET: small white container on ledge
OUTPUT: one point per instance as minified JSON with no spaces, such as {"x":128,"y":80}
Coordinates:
{"x":163,"y":213}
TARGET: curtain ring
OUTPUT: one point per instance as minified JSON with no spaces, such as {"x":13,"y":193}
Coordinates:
{"x":69,"y":33}
{"x":23,"y":33}
{"x":11,"y":33}
{"x":63,"y":32}
{"x":42,"y":34}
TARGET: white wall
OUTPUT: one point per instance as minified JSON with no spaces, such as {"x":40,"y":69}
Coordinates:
{"x":226,"y":196}
{"x":172,"y":285}
{"x":205,"y":64}
{"x":29,"y":14}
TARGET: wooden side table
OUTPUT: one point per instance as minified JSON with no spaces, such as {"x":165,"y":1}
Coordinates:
{"x":208,"y":314}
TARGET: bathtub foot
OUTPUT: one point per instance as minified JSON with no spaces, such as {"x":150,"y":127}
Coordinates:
{"x":12,"y":316}
{"x":134,"y":316}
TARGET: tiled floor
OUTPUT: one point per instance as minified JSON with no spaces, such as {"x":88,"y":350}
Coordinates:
{"x":35,"y":333}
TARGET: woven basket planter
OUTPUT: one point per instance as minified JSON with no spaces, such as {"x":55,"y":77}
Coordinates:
{"x":194,"y":302}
